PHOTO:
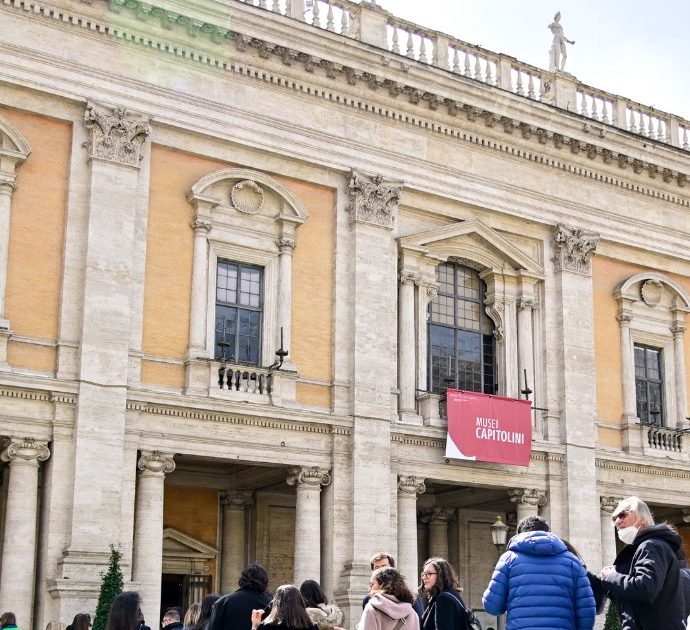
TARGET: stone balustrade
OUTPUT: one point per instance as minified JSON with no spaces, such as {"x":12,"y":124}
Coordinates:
{"x":665,"y":439}
{"x":373,"y":25}
{"x":248,"y":380}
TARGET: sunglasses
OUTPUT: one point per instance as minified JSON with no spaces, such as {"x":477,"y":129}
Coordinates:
{"x":621,"y":514}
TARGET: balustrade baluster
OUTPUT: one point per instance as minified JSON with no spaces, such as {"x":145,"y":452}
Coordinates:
{"x":477,"y":68}
{"x":466,"y":72}
{"x":530,"y":86}
{"x":276,"y":6}
{"x":684,"y":138}
{"x":344,"y":24}
{"x":422,"y":50}
{"x":518,"y":83}
{"x":330,"y":26}
{"x":632,"y":127}
{"x":396,"y":40}
{"x":315,"y":13}
{"x":654,"y":131}
{"x":410,"y":45}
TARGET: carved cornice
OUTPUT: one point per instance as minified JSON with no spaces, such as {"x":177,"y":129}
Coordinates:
{"x":373,"y":200}
{"x":156,"y":462}
{"x":310,"y":476}
{"x":25,"y":450}
{"x":411,"y":485}
{"x":114,"y":135}
{"x":642,"y":469}
{"x":574,"y":248}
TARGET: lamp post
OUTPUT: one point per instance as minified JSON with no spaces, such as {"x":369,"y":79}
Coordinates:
{"x":499,"y":533}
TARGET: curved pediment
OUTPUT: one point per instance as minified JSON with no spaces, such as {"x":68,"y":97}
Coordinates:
{"x":654,"y":289}
{"x":474,"y":241}
{"x":13,"y":144}
{"x":249,"y":192}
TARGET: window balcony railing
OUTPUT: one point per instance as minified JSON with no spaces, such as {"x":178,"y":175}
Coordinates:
{"x":665,"y":439}
{"x":241,"y":378}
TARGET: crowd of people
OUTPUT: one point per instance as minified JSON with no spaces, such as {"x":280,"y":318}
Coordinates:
{"x":539,"y":583}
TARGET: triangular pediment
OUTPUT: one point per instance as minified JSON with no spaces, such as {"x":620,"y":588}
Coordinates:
{"x":471,"y":240}
{"x":175,"y":543}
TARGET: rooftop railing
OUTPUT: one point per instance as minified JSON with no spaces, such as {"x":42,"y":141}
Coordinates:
{"x":369,"y":23}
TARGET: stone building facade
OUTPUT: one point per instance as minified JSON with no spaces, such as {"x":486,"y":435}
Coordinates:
{"x":190,"y":190}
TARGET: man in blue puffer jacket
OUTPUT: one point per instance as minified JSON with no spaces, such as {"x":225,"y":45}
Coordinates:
{"x":540,"y":583}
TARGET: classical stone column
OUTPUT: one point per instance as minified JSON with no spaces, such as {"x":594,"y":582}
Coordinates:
{"x":286,"y":247}
{"x":678,"y":331}
{"x":7,"y":187}
{"x":308,"y":482}
{"x":148,"y":529}
{"x":408,"y":489}
{"x":627,"y":365}
{"x":575,"y":397}
{"x":528,"y":501}
{"x":608,"y":535}
{"x":19,"y":547}
{"x":235,"y":504}
{"x":201,"y":225}
{"x":438,"y":519}
{"x":406,"y":344}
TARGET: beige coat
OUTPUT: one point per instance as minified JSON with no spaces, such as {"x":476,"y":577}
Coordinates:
{"x":383,"y":612}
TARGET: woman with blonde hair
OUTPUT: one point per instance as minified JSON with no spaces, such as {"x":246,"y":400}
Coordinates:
{"x":390,"y":606}
{"x":191,"y":617}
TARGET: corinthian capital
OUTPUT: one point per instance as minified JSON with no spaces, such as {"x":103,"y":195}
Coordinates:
{"x":7,"y":184}
{"x":285,"y":245}
{"x":237,"y":499}
{"x":527,"y":496}
{"x":373,"y":200}
{"x":311,"y":476}
{"x":411,"y":485}
{"x":608,"y":504}
{"x":573,"y":248}
{"x":200,"y":223}
{"x":439,"y":515}
{"x":25,"y":450}
{"x":114,"y":135}
{"x":156,"y":462}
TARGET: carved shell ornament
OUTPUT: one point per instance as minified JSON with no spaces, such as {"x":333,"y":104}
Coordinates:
{"x":652,"y":291}
{"x":247,"y":196}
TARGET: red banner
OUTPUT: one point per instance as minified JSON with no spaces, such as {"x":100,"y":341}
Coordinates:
{"x":488,"y":428}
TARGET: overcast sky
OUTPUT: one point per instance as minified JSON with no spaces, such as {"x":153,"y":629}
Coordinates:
{"x":633,"y":48}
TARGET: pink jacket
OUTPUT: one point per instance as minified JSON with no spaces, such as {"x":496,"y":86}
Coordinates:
{"x":383,"y":612}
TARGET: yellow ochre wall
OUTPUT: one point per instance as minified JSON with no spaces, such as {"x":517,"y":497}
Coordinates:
{"x":169,"y":273}
{"x":34,"y":269}
{"x":606,"y":275}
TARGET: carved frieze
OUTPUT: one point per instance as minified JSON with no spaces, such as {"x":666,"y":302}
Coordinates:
{"x":114,"y":135}
{"x":373,"y":200}
{"x":573,"y":248}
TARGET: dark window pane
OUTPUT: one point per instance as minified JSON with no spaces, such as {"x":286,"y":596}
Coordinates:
{"x":442,"y":351}
{"x":649,"y":385}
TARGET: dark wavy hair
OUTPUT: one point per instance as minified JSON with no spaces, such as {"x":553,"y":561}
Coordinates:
{"x":445,"y":577}
{"x":254,"y":577}
{"x":125,"y":612}
{"x":312,"y":593}
{"x":288,"y":609}
{"x":393,"y":583}
{"x":206,"y":610}
{"x":81,"y":621}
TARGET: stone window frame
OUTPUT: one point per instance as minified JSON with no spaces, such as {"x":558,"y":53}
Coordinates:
{"x":648,"y":317}
{"x":512,"y":279}
{"x":257,"y":227}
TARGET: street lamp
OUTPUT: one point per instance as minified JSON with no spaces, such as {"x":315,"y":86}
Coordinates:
{"x":499,"y":533}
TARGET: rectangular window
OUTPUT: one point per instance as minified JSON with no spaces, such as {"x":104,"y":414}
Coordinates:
{"x":239,"y":304}
{"x":649,"y":385}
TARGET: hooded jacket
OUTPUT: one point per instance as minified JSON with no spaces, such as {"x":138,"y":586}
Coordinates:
{"x":646,"y":585}
{"x":541,"y":585}
{"x":383,"y":612}
{"x":326,"y":616}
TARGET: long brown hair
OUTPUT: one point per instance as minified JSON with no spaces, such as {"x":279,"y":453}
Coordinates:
{"x":445,"y":577}
{"x":393,"y":583}
{"x":81,"y":621}
{"x":288,"y":608}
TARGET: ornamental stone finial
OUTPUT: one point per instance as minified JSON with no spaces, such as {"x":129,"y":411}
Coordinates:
{"x":25,"y":450}
{"x":373,"y":200}
{"x":312,"y":476}
{"x":408,"y":484}
{"x":156,"y":462}
{"x":114,"y":135}
{"x":573,"y":249}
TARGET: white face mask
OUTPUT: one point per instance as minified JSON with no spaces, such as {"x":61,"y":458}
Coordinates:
{"x":627,"y":534}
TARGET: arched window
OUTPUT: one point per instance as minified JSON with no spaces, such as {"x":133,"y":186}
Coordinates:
{"x":461,"y":340}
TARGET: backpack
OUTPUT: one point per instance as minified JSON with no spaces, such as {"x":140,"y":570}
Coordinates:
{"x":470,"y":619}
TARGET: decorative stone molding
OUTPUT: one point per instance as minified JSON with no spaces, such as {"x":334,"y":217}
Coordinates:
{"x":678,"y":330}
{"x":408,"y":484}
{"x":7,"y":184}
{"x":156,"y":462}
{"x":525,"y":303}
{"x":409,"y":277}
{"x":608,"y":504}
{"x":237,"y":499}
{"x":574,"y":248}
{"x":114,"y":135}
{"x":312,"y":476}
{"x":532,"y":497}
{"x":652,"y":291}
{"x":496,"y":312}
{"x":373,"y":200}
{"x":200,"y":223}
{"x":247,"y":196}
{"x":438,"y":515}
{"x":624,"y":319}
{"x":26,"y":450}
{"x":286,"y":245}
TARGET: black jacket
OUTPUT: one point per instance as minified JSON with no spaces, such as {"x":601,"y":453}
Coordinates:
{"x":646,"y":586}
{"x":234,"y":611}
{"x":445,"y":611}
